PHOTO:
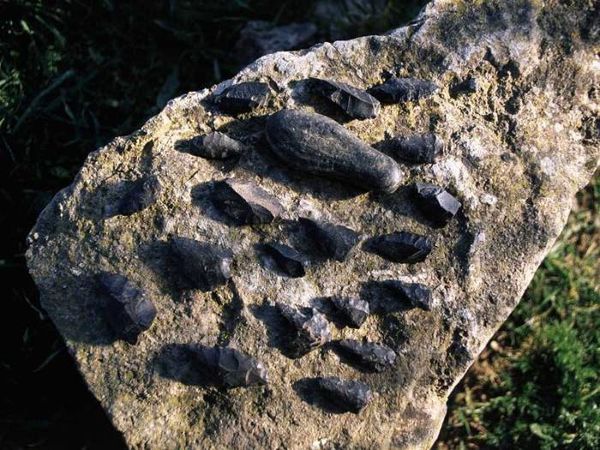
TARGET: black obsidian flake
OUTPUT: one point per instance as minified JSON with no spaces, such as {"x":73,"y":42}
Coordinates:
{"x":231,"y":367}
{"x":243,"y":97}
{"x":393,"y":295}
{"x":354,"y":310}
{"x":129,"y":312}
{"x":437,"y":204}
{"x":245,"y":203}
{"x":142,"y":194}
{"x":288,"y":260}
{"x":333,"y":241}
{"x":415,"y":148}
{"x":205,"y":266}
{"x":356,"y":103}
{"x":349,"y":395}
{"x":371,"y":356}
{"x":401,"y":247}
{"x":216,"y":145}
{"x":311,"y":329}
{"x":397,"y":90}
{"x":467,"y":86}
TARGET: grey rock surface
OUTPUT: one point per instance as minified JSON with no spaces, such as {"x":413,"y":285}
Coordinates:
{"x":527,"y":137}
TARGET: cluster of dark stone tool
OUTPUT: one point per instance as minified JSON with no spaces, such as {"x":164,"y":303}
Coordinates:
{"x":140,"y":195}
{"x":437,"y":204}
{"x":216,"y":145}
{"x":129,"y":311}
{"x":310,"y":142}
{"x":354,"y":310}
{"x":401,"y":247}
{"x":243,"y":97}
{"x":347,"y":394}
{"x":356,"y":103}
{"x":394,"y":295}
{"x":369,"y":355}
{"x":288,"y":260}
{"x":414,"y":148}
{"x":311,"y":329}
{"x":231,"y":367}
{"x":397,"y":90}
{"x":204,"y":265}
{"x":245,"y":202}
{"x":332,"y":241}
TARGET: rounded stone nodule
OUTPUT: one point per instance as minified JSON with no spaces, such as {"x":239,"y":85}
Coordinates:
{"x":316,"y":144}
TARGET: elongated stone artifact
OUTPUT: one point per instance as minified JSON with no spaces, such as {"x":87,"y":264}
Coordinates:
{"x":397,"y":90}
{"x":401,"y":247}
{"x":332,"y":240}
{"x":351,"y":396}
{"x":205,"y":266}
{"x":356,"y":103}
{"x":128,"y":310}
{"x":437,"y":204}
{"x":415,"y":148}
{"x":395,"y":295}
{"x":245,"y":203}
{"x":311,"y":329}
{"x":371,"y":356}
{"x":140,"y":196}
{"x":243,"y":97}
{"x":232,"y":368}
{"x":288,"y":260}
{"x":216,"y":145}
{"x":310,"y":142}
{"x":354,"y":310}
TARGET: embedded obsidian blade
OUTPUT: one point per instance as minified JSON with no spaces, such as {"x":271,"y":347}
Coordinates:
{"x":333,"y":241}
{"x":349,"y":395}
{"x":216,"y":145}
{"x":371,"y":356}
{"x":243,"y":97}
{"x":397,"y":90}
{"x":232,"y":368}
{"x":415,"y":148}
{"x":129,"y":311}
{"x":465,"y":87}
{"x":311,"y":329}
{"x":141,"y":195}
{"x":393,"y":296}
{"x":354,"y":310}
{"x":401,"y":247}
{"x":310,"y":142}
{"x":245,"y":202}
{"x":437,"y":204}
{"x":288,"y":260}
{"x":356,"y":103}
{"x":205,"y":266}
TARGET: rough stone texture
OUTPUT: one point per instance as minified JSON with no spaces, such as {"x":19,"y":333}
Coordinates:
{"x":528,"y":138}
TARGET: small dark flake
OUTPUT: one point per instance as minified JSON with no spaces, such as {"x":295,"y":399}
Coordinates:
{"x":141,"y":195}
{"x":245,"y":202}
{"x":415,"y":148}
{"x":243,"y":97}
{"x":354,"y":310}
{"x":216,"y":145}
{"x":290,"y":261}
{"x":371,"y":356}
{"x":394,"y":294}
{"x":205,"y":266}
{"x":401,"y":247}
{"x":347,"y":394}
{"x":355,"y":102}
{"x":231,"y":367}
{"x":437,"y":204}
{"x":397,"y":90}
{"x":129,"y":311}
{"x":467,"y":86}
{"x":312,"y":329}
{"x":333,"y":241}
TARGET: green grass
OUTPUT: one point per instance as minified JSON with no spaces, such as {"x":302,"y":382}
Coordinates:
{"x":74,"y":74}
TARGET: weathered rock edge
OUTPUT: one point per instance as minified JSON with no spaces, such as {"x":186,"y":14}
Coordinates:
{"x":519,"y":148}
